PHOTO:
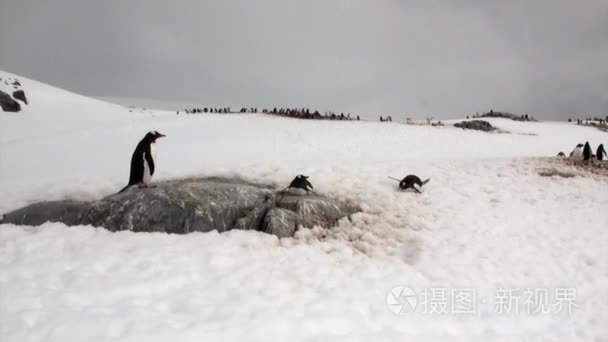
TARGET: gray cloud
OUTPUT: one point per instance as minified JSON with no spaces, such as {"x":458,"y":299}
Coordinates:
{"x":414,"y":58}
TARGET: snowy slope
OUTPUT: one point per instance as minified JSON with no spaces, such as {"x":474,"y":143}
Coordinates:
{"x":52,"y":112}
{"x":486,"y":221}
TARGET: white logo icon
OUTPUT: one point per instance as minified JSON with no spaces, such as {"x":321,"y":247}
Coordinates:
{"x":401,"y":300}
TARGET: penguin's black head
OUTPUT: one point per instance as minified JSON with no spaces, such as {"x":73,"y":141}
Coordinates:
{"x":152,"y":136}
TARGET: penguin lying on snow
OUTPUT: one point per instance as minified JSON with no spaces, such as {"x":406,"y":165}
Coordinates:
{"x":142,"y":161}
{"x":411,"y":182}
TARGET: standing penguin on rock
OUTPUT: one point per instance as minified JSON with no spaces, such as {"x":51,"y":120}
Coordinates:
{"x":411,"y":182}
{"x":600,"y":153}
{"x":587,"y":153}
{"x":143,"y":161}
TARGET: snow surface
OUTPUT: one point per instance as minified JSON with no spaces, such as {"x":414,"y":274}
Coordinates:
{"x":486,"y":221}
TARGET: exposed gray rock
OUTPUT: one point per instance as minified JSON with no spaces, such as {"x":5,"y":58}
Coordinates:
{"x":180,"y":206}
{"x":8,"y":104}
{"x":313,"y":210}
{"x":479,"y":125}
{"x":255,"y":218}
{"x":183,"y":206}
{"x":189,"y":205}
{"x":68,"y":212}
{"x":318,"y":212}
{"x":20,"y":95}
{"x":280,"y":222}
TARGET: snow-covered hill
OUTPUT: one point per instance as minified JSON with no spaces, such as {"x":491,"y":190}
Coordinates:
{"x":487,"y":221}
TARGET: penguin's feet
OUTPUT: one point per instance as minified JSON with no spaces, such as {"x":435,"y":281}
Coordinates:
{"x":147,"y":186}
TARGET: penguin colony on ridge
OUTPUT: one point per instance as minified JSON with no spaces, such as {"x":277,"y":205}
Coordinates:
{"x":142,"y":161}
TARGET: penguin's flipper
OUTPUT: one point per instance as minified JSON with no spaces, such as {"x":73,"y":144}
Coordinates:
{"x":150,"y":161}
{"x":308,"y":184}
{"x":426,"y":181}
{"x":417,"y":187}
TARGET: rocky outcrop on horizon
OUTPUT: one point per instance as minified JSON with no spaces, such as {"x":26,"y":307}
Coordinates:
{"x":479,"y":125}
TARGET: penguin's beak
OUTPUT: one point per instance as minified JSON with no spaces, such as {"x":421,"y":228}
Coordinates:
{"x":160,"y":135}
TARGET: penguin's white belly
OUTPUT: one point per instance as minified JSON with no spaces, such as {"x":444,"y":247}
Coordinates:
{"x":296,"y":192}
{"x":147,"y":174}
{"x":577,"y":154}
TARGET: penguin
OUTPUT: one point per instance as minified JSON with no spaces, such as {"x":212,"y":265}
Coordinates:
{"x":142,"y":161}
{"x":411,"y":182}
{"x":600,"y":153}
{"x":587,"y":151}
{"x":577,"y":153}
{"x":300,"y":182}
{"x":561,"y":154}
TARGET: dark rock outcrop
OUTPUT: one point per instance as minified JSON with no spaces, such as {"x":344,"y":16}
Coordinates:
{"x":504,"y":115}
{"x":183,"y":206}
{"x":479,"y":125}
{"x":68,"y":212}
{"x":312,"y":210}
{"x":192,"y":205}
{"x":293,"y":211}
{"x":8,"y":104}
{"x":20,"y":95}
{"x":280,"y":222}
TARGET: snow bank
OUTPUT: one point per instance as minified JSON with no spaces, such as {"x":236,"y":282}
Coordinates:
{"x":486,"y":221}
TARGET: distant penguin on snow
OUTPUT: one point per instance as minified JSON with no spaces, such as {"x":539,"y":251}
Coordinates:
{"x":587,"y":151}
{"x":577,"y":153}
{"x":142,"y":161}
{"x":411,"y":182}
{"x":600,"y":153}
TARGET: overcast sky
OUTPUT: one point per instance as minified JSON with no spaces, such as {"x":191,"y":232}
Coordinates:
{"x":405,"y":58}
